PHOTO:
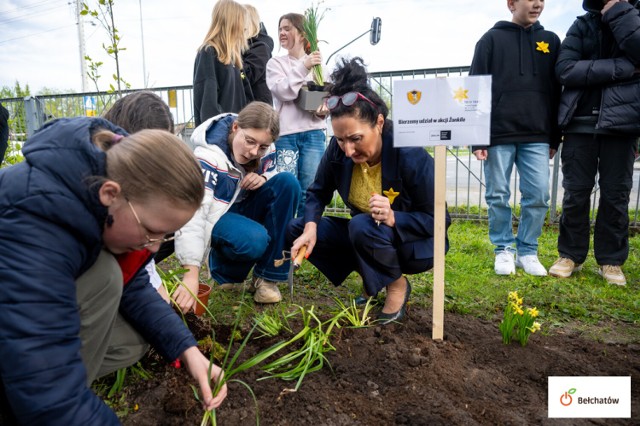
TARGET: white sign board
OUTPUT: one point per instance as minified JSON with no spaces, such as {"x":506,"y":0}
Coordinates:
{"x":452,"y":111}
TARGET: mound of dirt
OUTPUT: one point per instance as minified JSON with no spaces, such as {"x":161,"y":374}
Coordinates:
{"x":398,"y":375}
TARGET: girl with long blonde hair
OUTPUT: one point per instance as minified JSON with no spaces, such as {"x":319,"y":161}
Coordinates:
{"x":217,"y":78}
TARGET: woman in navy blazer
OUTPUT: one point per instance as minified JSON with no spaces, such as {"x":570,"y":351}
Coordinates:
{"x":388,"y":190}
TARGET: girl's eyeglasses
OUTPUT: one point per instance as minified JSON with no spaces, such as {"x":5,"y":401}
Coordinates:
{"x":251,"y":144}
{"x":348,"y":99}
{"x":151,"y":241}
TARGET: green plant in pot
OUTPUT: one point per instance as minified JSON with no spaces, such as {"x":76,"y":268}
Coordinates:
{"x":312,"y":95}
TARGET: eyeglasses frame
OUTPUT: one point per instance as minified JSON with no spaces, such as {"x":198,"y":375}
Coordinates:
{"x":150,"y":241}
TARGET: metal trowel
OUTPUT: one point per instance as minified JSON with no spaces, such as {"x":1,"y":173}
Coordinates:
{"x":295,"y":264}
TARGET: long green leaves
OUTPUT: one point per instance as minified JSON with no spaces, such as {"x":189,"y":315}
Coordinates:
{"x":312,"y":19}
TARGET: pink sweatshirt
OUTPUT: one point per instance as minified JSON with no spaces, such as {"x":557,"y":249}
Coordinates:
{"x":285,"y":76}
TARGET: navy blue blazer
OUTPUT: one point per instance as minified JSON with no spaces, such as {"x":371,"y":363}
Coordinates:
{"x":407,"y":180}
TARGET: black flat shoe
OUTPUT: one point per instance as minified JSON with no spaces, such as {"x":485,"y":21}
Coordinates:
{"x":362,"y":300}
{"x":384,"y":319}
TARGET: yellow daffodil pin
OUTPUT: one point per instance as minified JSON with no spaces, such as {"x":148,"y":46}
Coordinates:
{"x":543,"y":47}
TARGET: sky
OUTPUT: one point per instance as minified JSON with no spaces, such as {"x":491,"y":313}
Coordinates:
{"x":39,"y":41}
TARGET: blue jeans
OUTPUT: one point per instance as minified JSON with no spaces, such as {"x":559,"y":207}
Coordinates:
{"x":251,"y":234}
{"x":300,"y":154}
{"x":532,"y":161}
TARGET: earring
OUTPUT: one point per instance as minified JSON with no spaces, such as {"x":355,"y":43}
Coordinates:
{"x":109,"y":221}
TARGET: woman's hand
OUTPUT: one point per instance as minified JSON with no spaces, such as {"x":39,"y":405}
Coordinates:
{"x":312,"y":59}
{"x":381,"y":211}
{"x":252,"y":181}
{"x":185,"y":301}
{"x":307,"y":238}
{"x":198,"y":366}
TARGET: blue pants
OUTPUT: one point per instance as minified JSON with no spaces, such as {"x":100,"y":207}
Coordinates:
{"x":532,"y":161}
{"x":300,"y":154}
{"x":358,"y":244}
{"x":251,"y":234}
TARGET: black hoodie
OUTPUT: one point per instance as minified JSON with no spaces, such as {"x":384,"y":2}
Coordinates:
{"x":525,"y":93}
{"x":255,"y":67}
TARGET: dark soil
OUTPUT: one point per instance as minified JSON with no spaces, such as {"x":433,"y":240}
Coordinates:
{"x":398,"y":375}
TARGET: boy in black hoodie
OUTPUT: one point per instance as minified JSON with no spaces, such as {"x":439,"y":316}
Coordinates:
{"x":520,"y":56}
{"x":599,"y":66}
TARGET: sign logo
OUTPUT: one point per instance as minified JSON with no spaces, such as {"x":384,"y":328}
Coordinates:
{"x":566,"y":399}
{"x":595,"y":397}
{"x":414,"y":96}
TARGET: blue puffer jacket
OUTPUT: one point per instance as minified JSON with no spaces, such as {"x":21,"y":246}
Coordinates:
{"x":50,"y":233}
{"x":582,"y":65}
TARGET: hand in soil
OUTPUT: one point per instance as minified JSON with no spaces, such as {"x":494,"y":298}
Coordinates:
{"x":198,"y":366}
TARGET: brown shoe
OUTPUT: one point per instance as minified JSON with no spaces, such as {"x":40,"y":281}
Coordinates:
{"x":613,"y":274}
{"x":227,"y":286}
{"x":266,"y":291}
{"x":564,"y":267}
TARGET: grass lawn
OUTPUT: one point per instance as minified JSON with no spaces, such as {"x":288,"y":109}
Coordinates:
{"x":583,"y":302}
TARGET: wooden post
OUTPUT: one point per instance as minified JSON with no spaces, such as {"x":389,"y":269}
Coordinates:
{"x":440,"y":225}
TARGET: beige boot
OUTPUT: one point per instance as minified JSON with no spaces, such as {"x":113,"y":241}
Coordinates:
{"x":266,"y":291}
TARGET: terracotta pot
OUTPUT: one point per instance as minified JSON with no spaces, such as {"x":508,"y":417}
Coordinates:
{"x":203,"y":297}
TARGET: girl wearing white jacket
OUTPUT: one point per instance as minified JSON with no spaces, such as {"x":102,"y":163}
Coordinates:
{"x":247,"y":205}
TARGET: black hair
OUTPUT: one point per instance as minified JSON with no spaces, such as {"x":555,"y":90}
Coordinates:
{"x":350,"y":75}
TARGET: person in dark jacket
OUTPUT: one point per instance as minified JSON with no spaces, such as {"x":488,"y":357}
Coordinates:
{"x":520,"y":57}
{"x":138,"y":111}
{"x":255,"y":59}
{"x":4,"y":131}
{"x":217,"y":78}
{"x":599,"y":66}
{"x":71,"y":215}
{"x":388,"y":190}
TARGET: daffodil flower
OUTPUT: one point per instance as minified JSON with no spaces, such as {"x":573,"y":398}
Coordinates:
{"x":518,"y":322}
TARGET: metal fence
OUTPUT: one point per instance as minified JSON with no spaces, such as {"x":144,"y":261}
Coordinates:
{"x":465,"y":181}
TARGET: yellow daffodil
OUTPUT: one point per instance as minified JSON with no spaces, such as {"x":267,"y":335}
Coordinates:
{"x":518,"y":322}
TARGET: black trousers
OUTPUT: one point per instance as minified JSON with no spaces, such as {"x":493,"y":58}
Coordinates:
{"x":611,"y":157}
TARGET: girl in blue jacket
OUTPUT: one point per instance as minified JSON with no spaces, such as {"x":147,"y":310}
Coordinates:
{"x":87,"y":197}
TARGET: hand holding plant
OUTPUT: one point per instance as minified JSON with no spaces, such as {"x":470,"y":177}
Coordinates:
{"x":518,"y":322}
{"x":312,"y":20}
{"x":205,"y":372}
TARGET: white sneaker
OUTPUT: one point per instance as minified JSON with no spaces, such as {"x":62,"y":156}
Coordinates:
{"x":504,"y":264}
{"x":531,"y":265}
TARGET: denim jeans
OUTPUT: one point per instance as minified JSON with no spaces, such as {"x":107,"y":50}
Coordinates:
{"x":532,"y":161}
{"x":251,"y":234}
{"x":300,"y":154}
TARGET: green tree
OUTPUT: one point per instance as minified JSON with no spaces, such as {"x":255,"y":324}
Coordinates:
{"x":104,"y":15}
